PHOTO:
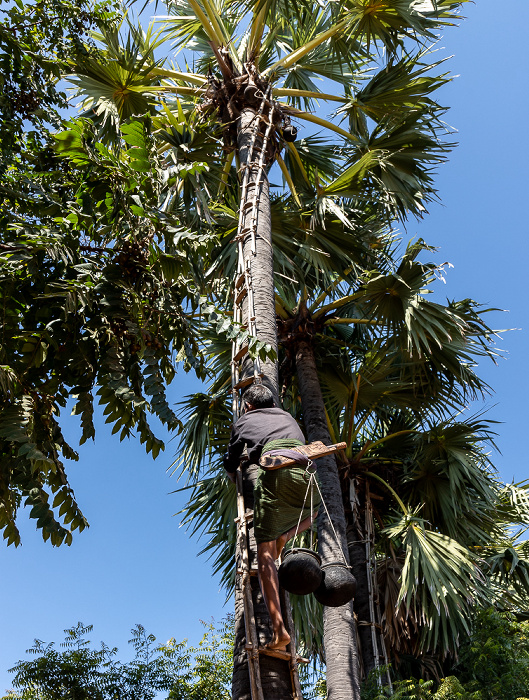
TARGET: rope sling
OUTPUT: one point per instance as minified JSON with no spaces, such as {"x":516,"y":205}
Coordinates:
{"x":311,"y":471}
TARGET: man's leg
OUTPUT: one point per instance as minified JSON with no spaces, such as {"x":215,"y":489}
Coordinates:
{"x":266,"y":556}
{"x":286,"y":536}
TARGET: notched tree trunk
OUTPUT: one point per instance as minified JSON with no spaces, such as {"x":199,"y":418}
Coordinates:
{"x":262,"y":267}
{"x":275,"y":673}
{"x":339,"y":624}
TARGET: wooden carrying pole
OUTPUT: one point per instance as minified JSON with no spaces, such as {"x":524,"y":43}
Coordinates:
{"x":313,"y":451}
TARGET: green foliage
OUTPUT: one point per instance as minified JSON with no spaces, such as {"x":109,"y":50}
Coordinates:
{"x":495,"y":660}
{"x":205,"y":672}
{"x":37,"y":39}
{"x":81,"y":672}
{"x":94,"y":282}
{"x":493,"y":665}
{"x":449,"y":688}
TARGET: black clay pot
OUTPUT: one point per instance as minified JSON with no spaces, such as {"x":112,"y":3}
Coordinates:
{"x":300,"y":571}
{"x":338,"y":585}
{"x":251,"y":94}
{"x":289,"y":133}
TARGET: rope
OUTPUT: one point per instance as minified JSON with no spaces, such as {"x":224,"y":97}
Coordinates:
{"x":310,"y":485}
{"x":332,"y":526}
{"x":312,"y":479}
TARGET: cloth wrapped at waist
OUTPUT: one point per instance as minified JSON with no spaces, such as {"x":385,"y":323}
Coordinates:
{"x":283,"y":448}
{"x":280,"y":494}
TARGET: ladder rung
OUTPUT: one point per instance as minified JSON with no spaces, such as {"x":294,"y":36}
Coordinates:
{"x":278,"y":654}
{"x":252,"y":572}
{"x":240,"y":280}
{"x":240,"y":296}
{"x":245,"y":382}
{"x":247,"y":516}
{"x":242,"y":352}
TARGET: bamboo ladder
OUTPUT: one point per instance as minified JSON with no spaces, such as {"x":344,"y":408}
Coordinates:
{"x":242,"y":290}
{"x":377,"y":639}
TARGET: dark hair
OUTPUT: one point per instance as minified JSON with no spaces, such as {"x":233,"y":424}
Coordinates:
{"x":259,"y":396}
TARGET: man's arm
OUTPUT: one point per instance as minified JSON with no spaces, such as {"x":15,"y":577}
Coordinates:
{"x":232,"y":457}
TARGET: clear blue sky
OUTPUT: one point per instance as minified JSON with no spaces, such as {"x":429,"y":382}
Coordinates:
{"x":135,"y":564}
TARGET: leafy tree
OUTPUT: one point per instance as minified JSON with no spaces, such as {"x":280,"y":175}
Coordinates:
{"x":37,"y":39}
{"x":97,"y":289}
{"x":493,"y":664}
{"x":494,"y":661}
{"x":82,"y":672}
{"x":175,"y":669}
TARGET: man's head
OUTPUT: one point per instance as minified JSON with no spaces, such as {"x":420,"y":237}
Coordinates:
{"x":258,"y":396}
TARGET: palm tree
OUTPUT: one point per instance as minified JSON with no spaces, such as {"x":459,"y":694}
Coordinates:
{"x":255,"y":70}
{"x":391,"y":394}
{"x":390,"y":367}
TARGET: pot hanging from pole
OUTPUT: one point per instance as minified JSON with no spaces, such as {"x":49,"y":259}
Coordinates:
{"x":338,"y":585}
{"x":300,"y":572}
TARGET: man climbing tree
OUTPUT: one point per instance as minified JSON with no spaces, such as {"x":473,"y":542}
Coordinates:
{"x":279,"y":495}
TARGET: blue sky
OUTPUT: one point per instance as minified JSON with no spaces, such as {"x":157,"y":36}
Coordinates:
{"x":135,"y":564}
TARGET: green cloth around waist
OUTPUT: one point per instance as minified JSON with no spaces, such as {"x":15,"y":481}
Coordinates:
{"x":282,"y":442}
{"x":279,"y":496}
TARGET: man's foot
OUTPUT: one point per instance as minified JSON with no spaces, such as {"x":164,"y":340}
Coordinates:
{"x":279,"y":641}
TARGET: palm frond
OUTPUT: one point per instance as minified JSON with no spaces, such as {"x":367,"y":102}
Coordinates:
{"x":438,"y":574}
{"x":206,"y":420}
{"x":210,"y":513}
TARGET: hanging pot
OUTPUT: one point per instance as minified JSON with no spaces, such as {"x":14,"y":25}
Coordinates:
{"x":289,"y":133}
{"x":338,"y":585}
{"x":251,"y":94}
{"x":300,"y":571}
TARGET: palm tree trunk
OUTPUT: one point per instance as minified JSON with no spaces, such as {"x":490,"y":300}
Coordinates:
{"x":339,"y":625}
{"x":357,"y":556}
{"x":259,"y":252}
{"x":275,"y":673}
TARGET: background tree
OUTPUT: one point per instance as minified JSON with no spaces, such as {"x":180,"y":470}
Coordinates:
{"x":82,"y":672}
{"x":37,"y":39}
{"x":94,"y":285}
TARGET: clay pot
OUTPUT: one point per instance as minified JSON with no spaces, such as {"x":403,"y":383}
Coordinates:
{"x":289,"y":133}
{"x":251,"y":93}
{"x":338,"y":585}
{"x":300,"y":571}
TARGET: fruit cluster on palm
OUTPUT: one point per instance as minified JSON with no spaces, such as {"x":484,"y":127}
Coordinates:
{"x":362,"y":354}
